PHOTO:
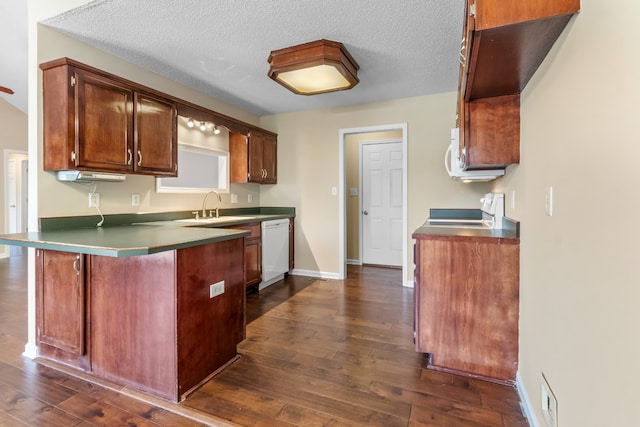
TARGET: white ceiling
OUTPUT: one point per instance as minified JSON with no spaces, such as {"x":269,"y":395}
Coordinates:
{"x":404,"y":47}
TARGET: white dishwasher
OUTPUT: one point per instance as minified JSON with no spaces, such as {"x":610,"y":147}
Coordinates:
{"x":275,"y":251}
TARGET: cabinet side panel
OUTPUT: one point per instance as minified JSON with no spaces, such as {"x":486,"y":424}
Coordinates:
{"x":58,"y":119}
{"x":209,"y":328}
{"x":469,"y":307}
{"x":133,"y":321}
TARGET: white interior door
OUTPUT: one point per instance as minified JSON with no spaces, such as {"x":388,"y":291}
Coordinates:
{"x":382,"y":174}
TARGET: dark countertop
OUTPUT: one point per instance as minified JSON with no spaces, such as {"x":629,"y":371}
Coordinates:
{"x":150,"y":233}
{"x":425,"y":231}
{"x":510,"y":227}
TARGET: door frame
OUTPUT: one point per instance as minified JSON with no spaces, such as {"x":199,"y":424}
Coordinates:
{"x":9,"y":155}
{"x":361,"y":185}
{"x":342,"y":203}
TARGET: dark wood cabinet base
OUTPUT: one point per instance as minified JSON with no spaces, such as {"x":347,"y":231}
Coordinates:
{"x":150,"y":322}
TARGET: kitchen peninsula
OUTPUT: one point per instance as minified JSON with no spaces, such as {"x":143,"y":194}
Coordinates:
{"x":156,"y":305}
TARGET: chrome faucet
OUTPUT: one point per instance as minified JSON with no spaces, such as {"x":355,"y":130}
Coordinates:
{"x":204,"y":204}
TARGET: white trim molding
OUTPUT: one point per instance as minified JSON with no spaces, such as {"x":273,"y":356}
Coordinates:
{"x":313,"y":273}
{"x":527,"y":408}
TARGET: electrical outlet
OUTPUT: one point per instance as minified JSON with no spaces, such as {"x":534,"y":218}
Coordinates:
{"x":216,"y":289}
{"x":513,"y":199}
{"x":135,"y":199}
{"x":548,"y":404}
{"x":234,"y":198}
{"x":250,"y":198}
{"x":94,"y":200}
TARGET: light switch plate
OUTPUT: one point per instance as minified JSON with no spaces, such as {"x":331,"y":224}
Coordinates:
{"x":135,"y":199}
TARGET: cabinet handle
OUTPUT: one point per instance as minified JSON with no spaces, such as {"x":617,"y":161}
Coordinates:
{"x":76,"y":265}
{"x":130,"y":156}
{"x":139,"y":158}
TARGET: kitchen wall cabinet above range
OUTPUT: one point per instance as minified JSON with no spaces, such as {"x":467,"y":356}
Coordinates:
{"x":503,"y":44}
{"x":97,"y":121}
{"x":253,"y":157}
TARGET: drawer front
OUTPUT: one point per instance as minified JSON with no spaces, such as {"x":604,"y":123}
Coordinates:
{"x":253,"y":228}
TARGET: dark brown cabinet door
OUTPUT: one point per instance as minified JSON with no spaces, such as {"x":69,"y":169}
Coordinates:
{"x":104,"y":121}
{"x":253,"y":259}
{"x":61,"y":307}
{"x":256,"y":144}
{"x":269,"y":159}
{"x":156,"y":137}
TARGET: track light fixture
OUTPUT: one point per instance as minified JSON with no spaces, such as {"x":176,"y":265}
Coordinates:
{"x":204,"y":126}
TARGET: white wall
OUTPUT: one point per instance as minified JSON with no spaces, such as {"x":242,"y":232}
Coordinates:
{"x":308,"y":167}
{"x":580,"y":283}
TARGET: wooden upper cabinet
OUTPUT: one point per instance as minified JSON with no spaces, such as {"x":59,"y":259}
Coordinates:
{"x":104,"y":121}
{"x":506,"y":41}
{"x":97,"y":121}
{"x":270,"y":159}
{"x":503,"y":44}
{"x":156,"y":136}
{"x":253,"y":157}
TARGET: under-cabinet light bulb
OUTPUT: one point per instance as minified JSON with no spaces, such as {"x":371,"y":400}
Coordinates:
{"x":216,"y":130}
{"x":203,"y":127}
{"x":190,"y":122}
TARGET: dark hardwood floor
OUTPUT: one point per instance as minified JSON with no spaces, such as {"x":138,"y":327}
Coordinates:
{"x":318,"y":352}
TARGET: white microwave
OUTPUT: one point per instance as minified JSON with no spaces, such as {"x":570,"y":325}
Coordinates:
{"x":455,"y":165}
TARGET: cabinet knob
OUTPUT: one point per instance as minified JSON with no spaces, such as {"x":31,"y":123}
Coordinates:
{"x":366,"y":212}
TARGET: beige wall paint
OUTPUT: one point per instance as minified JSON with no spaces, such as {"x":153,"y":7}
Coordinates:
{"x":68,"y":199}
{"x":352,"y":180}
{"x":13,"y":137}
{"x":580,"y":283}
{"x":308,"y":166}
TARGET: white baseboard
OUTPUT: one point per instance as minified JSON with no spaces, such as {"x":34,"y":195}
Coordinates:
{"x":409,"y":283}
{"x":354,"y":262}
{"x":30,"y":351}
{"x":312,"y":273}
{"x":527,"y":408}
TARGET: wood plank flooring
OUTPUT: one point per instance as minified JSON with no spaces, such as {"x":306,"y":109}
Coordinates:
{"x":318,"y":352}
{"x":340,"y":353}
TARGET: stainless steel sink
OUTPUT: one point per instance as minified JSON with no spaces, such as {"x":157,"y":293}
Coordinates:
{"x":205,"y":221}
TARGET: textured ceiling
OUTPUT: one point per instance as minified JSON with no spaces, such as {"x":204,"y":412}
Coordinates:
{"x":220,"y":47}
{"x":13,"y":51}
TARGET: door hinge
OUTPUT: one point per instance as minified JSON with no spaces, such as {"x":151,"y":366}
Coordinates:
{"x":472,"y":9}
{"x":73,"y":81}
{"x":73,"y":156}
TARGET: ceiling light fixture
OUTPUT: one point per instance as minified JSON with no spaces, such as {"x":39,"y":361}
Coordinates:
{"x":312,"y":68}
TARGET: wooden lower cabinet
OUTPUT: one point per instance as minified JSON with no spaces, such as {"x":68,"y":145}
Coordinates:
{"x":152,"y":324}
{"x":253,"y":254}
{"x":62,"y":308}
{"x":466,"y":304}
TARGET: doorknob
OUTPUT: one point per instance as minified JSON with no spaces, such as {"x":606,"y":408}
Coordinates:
{"x":366,"y":212}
